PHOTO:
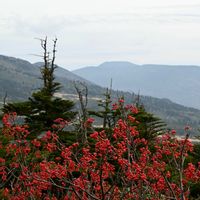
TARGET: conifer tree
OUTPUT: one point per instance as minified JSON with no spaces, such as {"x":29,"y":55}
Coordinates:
{"x":105,"y":113}
{"x":148,"y":125}
{"x":42,"y":108}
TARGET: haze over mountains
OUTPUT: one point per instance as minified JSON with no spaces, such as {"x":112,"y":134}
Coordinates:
{"x":178,"y":83}
{"x":19,"y":78}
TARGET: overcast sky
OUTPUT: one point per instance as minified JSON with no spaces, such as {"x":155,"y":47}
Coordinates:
{"x":90,"y":32}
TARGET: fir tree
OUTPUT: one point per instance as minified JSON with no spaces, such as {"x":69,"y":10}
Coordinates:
{"x":148,"y":125}
{"x":42,"y":108}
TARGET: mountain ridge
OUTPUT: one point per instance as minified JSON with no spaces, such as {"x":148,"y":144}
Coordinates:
{"x":179,"y":83}
{"x":19,"y":79}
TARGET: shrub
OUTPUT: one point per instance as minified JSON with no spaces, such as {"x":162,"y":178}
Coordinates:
{"x":123,"y":167}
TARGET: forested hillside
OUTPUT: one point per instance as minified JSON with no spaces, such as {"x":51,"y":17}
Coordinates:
{"x":19,"y":79}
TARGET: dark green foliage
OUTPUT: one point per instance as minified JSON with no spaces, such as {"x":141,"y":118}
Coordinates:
{"x":105,"y":113}
{"x":195,"y":191}
{"x":149,"y":126}
{"x":43,"y":108}
{"x":21,"y":108}
{"x":68,"y":137}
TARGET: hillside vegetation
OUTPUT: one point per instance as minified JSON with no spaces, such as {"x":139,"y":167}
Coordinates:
{"x":51,"y":149}
{"x":19,"y":78}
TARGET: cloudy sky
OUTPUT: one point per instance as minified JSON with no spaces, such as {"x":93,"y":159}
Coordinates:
{"x":90,"y":32}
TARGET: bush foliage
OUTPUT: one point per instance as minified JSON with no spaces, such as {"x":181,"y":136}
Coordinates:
{"x":123,"y":166}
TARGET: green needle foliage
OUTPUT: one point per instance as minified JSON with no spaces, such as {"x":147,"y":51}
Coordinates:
{"x":149,"y":125}
{"x":42,"y":108}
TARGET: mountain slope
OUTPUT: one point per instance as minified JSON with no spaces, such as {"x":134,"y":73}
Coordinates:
{"x":181,"y":84}
{"x":20,"y":78}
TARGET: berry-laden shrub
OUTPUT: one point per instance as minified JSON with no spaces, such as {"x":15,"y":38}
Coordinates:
{"x":122,"y":167}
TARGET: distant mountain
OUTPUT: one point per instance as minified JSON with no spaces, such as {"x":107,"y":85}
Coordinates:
{"x":178,"y":83}
{"x":19,"y":78}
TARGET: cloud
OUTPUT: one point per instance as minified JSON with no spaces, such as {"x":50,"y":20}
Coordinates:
{"x":153,"y":33}
{"x":48,"y":24}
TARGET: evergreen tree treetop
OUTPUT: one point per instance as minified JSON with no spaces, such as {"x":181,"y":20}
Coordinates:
{"x":42,"y":108}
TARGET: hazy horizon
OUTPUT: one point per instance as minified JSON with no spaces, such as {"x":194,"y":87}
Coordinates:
{"x":72,"y":68}
{"x":91,"y":32}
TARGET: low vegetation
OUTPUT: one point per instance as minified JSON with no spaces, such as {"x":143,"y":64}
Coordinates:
{"x":57,"y":151}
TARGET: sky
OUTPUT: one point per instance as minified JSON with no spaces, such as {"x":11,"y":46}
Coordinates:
{"x":91,"y":32}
